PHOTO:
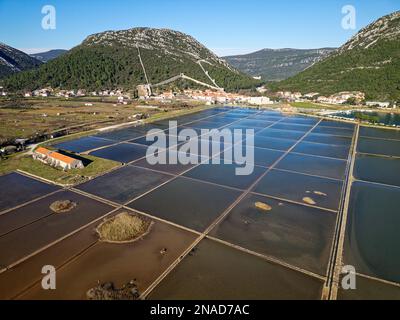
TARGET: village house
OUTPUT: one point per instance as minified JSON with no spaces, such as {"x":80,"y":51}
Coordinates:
{"x":81,"y":93}
{"x":289,"y":95}
{"x":343,"y":97}
{"x":57,"y":159}
{"x":261,"y":89}
{"x":144,"y":91}
{"x":70,"y":93}
{"x":259,"y":101}
{"x":322,"y":99}
{"x":311,"y":95}
{"x":45,"y":92}
{"x":3,"y":93}
{"x":379,"y":104}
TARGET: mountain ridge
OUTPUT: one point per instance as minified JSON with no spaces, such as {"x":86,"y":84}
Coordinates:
{"x":48,"y":55}
{"x":278,"y":64}
{"x":368,"y":62}
{"x":110,"y":60}
{"x":13,"y":61}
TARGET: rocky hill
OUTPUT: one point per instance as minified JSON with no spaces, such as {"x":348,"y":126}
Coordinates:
{"x":277,"y":64}
{"x":115,"y":59}
{"x":369,"y":62}
{"x":13,"y":61}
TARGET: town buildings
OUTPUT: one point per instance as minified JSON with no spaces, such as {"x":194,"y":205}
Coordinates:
{"x":216,"y":97}
{"x":379,"y":104}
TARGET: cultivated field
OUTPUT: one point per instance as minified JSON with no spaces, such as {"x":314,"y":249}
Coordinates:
{"x":30,"y":117}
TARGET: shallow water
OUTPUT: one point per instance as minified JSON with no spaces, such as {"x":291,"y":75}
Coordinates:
{"x":300,"y":120}
{"x":151,"y":140}
{"x":344,"y":132}
{"x":266,"y":117}
{"x":217,"y":272}
{"x":206,"y":124}
{"x":84,"y":144}
{"x":265,"y":157}
{"x":368,"y":289}
{"x":339,"y":152}
{"x":375,"y":146}
{"x":372,"y":235}
{"x":295,"y":234}
{"x":292,"y":127}
{"x":328,"y":139}
{"x":380,"y":133}
{"x":254,"y":123}
{"x":227,"y":116}
{"x":121,"y":134}
{"x":336,"y":124}
{"x":168,"y":166}
{"x":225,"y":174}
{"x":189,"y":203}
{"x":282,"y":134}
{"x":273,"y":143}
{"x":27,"y":273}
{"x":244,"y":128}
{"x":14,"y":245}
{"x":377,"y":169}
{"x":124,"y":184}
{"x":330,"y":168}
{"x":118,"y":264}
{"x":15,"y":189}
{"x":295,"y":187}
{"x":124,"y":152}
{"x":221,"y":121}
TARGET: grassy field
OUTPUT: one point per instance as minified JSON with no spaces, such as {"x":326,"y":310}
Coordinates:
{"x":312,"y":105}
{"x":27,"y":118}
{"x":37,"y":168}
{"x":122,"y":228}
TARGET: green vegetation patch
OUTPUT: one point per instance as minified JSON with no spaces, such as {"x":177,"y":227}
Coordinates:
{"x":27,"y":164}
{"x":97,"y":67}
{"x":361,"y":116}
{"x":311,"y":105}
{"x":374,"y":70}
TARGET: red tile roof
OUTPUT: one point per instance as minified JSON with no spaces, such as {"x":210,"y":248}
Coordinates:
{"x":43,"y":151}
{"x":62,"y":158}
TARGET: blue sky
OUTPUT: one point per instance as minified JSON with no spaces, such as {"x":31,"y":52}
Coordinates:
{"x":225,"y":26}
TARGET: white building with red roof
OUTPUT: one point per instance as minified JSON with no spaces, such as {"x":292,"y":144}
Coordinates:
{"x":57,"y":159}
